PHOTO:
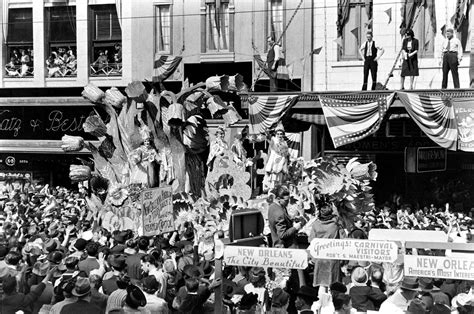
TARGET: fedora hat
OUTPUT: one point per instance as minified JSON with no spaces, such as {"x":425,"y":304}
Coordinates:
{"x":193,"y":271}
{"x":410,"y":283}
{"x":425,"y":284}
{"x":82,"y":287}
{"x":207,"y":268}
{"x":135,"y":297}
{"x":416,"y":307}
{"x":308,"y":293}
{"x":359,"y":277}
{"x":55,"y":257}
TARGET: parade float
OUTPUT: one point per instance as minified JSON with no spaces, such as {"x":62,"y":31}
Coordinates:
{"x":149,"y":141}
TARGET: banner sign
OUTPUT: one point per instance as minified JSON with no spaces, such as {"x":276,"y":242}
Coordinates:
{"x":265,"y":257}
{"x":425,"y":159}
{"x":353,"y":249}
{"x":439,"y":267}
{"x":157,"y":213}
{"x":15,"y":175}
{"x":407,"y":235}
{"x":43,"y":122}
{"x":465,"y":121}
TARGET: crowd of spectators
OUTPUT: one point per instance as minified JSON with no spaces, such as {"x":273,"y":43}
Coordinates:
{"x":61,"y":62}
{"x":21,"y":63}
{"x":56,"y":258}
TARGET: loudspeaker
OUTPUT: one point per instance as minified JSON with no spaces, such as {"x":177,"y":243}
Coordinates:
{"x":246,"y":223}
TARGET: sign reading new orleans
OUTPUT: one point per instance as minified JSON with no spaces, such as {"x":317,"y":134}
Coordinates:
{"x":265,"y":257}
{"x":439,"y":267}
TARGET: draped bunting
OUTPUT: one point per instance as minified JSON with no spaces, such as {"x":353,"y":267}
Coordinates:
{"x":350,"y":121}
{"x":343,"y":7}
{"x":294,"y":143}
{"x":266,"y":111}
{"x":435,"y":117}
{"x":462,"y":9}
{"x":164,"y":67}
{"x":408,"y":14}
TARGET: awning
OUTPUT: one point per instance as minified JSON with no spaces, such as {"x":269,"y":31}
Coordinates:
{"x":37,"y":147}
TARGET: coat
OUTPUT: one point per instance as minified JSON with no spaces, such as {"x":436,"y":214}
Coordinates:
{"x":14,"y":302}
{"x":281,"y":226}
{"x":325,"y":271}
{"x":365,"y":298}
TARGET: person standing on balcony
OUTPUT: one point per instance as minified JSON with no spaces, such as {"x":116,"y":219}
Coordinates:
{"x":370,"y":53}
{"x":451,"y":55}
{"x":25,"y":60}
{"x":410,"y":58}
{"x":273,"y":56}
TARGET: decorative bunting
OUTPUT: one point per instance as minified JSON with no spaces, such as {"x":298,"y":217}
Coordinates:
{"x":294,"y":143}
{"x":266,"y":111}
{"x":338,"y":41}
{"x":350,"y":121}
{"x":435,"y":117}
{"x":453,"y":19}
{"x":368,"y":23}
{"x":164,"y":67}
{"x":389,"y":13}
{"x":443,"y":30}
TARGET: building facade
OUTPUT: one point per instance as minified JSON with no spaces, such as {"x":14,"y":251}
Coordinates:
{"x":340,"y":68}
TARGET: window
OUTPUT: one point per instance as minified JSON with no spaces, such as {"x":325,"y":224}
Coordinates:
{"x":217,"y":27}
{"x":354,"y":30}
{"x":275,"y":19}
{"x":162,"y":29}
{"x":423,"y":30}
{"x":106,"y":54}
{"x":60,"y":30}
{"x":19,"y":61}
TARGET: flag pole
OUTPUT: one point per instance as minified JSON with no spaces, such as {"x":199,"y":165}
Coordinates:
{"x":277,"y":42}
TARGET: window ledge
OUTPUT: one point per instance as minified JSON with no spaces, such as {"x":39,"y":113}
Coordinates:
{"x":60,"y":79}
{"x":19,"y":79}
{"x":348,"y":64}
{"x":218,"y":57}
{"x":105,"y":78}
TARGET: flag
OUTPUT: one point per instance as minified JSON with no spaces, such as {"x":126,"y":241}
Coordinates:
{"x":266,"y":111}
{"x":350,"y":121}
{"x":443,"y":30}
{"x":435,"y":117}
{"x":355,"y":32}
{"x":294,"y":143}
{"x":389,"y":13}
{"x":368,"y":23}
{"x":453,"y":19}
{"x":317,"y":50}
{"x":164,"y":67}
{"x":338,"y":41}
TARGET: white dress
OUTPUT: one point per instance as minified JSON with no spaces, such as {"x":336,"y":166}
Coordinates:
{"x":277,"y":163}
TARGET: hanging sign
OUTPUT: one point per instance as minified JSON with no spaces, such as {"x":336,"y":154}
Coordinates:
{"x":265,"y":257}
{"x":439,"y":267}
{"x":353,"y":249}
{"x":465,"y":121}
{"x":157,"y":212}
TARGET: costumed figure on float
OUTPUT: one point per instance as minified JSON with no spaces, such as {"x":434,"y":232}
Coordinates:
{"x":276,"y":168}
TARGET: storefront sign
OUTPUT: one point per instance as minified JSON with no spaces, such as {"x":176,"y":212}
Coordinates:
{"x":425,"y":159}
{"x":157,"y":213}
{"x":265,"y":257}
{"x":465,"y":121}
{"x":352,"y":249}
{"x":43,"y":122}
{"x":15,"y":175}
{"x":439,"y":267}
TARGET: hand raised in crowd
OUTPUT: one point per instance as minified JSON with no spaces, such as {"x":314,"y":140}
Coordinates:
{"x":297,"y":225}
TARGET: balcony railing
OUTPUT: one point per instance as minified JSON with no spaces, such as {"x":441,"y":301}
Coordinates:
{"x":110,"y":69}
{"x":62,"y":71}
{"x":19,"y":71}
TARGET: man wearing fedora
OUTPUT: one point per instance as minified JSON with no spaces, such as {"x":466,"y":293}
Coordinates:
{"x":117,"y":262}
{"x":82,"y":291}
{"x":305,"y":297}
{"x":399,"y":301}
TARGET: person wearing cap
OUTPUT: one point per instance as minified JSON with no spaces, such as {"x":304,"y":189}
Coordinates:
{"x":305,"y":297}
{"x":154,"y":304}
{"x":82,"y":291}
{"x":64,"y":289}
{"x":364,"y":297}
{"x":399,"y":301}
